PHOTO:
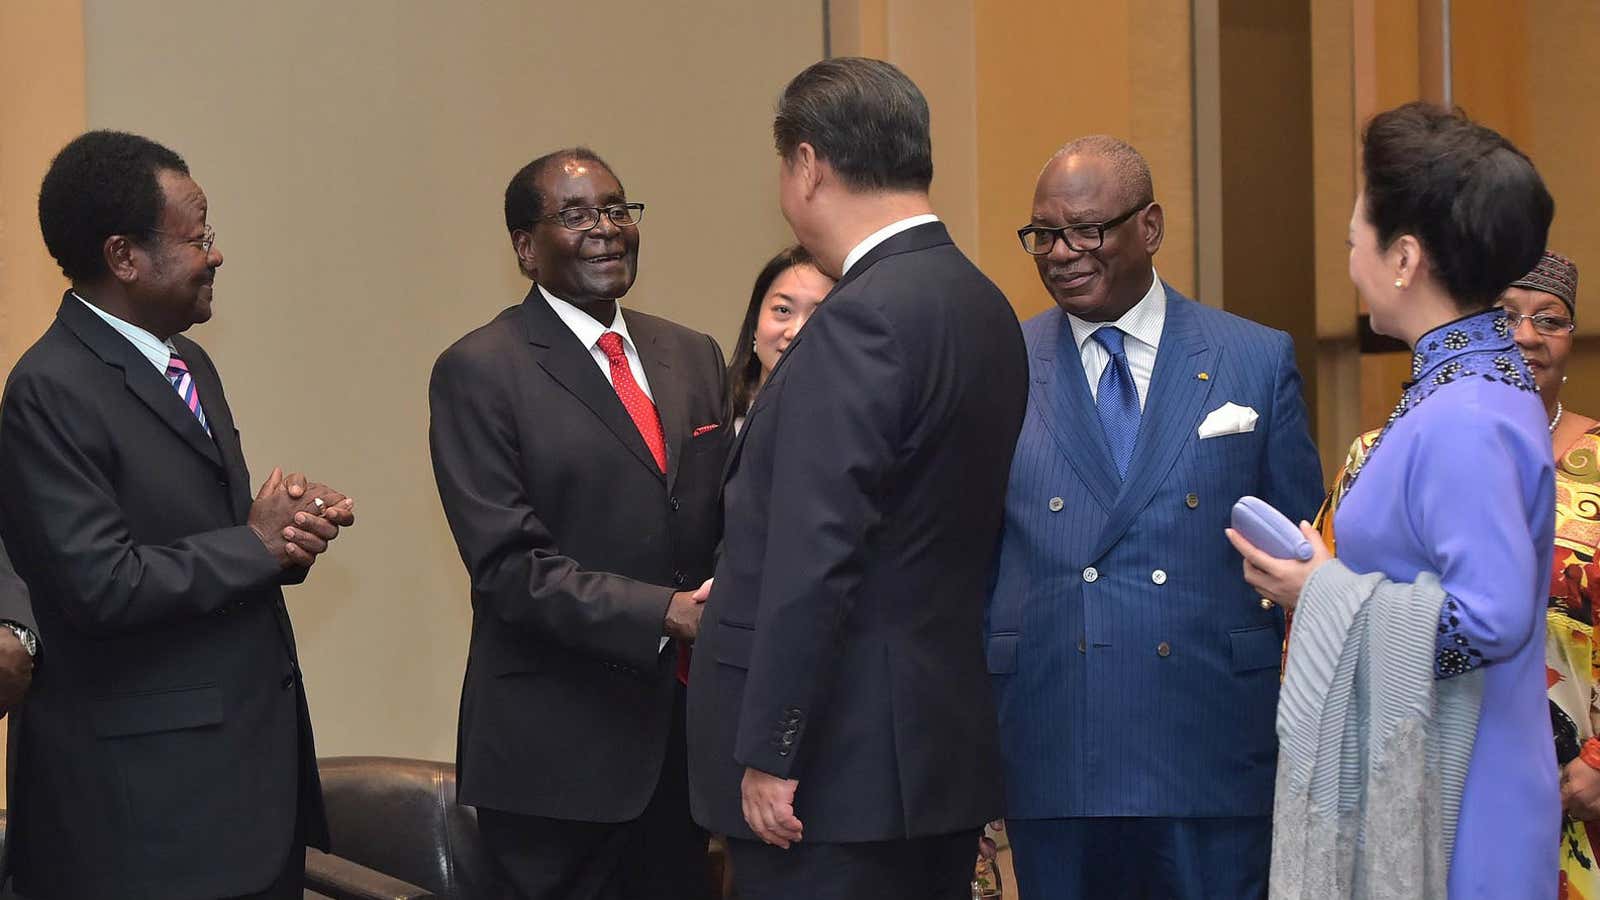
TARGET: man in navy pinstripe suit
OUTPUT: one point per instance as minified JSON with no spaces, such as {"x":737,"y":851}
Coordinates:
{"x":1136,"y":673}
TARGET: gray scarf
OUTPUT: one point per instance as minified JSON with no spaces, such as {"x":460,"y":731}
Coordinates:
{"x":1372,"y":751}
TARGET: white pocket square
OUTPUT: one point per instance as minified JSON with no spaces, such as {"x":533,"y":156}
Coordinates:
{"x":1229,"y":418}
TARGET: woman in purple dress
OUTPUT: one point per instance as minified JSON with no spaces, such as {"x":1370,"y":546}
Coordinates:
{"x":1460,"y":482}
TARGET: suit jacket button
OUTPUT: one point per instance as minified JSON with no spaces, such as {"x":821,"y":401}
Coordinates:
{"x":1192,"y":501}
{"x":1163,"y":649}
{"x":1158,"y":576}
{"x":1056,"y":504}
{"x":678,"y":579}
{"x":288,"y":682}
{"x":1091,"y":575}
{"x":673,"y":503}
{"x":1082,"y":648}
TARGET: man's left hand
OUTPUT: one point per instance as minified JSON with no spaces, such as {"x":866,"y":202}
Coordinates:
{"x":769,"y":807}
{"x":1279,"y":580}
{"x":16,"y":670}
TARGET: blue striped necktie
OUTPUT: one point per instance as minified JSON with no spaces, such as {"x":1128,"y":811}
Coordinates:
{"x":183,"y":383}
{"x":1117,"y":400}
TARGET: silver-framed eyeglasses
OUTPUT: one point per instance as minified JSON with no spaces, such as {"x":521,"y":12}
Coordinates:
{"x":1548,"y":324}
{"x":583,"y":218}
{"x":205,"y":241}
{"x":1081,"y":237}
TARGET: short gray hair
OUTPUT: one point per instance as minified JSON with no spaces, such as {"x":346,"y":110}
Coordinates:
{"x":1128,"y":165}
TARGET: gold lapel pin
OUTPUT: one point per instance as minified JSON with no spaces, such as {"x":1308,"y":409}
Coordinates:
{"x":1203,"y":376}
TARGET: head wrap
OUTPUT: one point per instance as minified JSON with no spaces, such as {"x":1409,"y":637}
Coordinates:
{"x":1556,"y":275}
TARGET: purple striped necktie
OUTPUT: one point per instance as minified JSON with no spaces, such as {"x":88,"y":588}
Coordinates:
{"x":183,"y":382}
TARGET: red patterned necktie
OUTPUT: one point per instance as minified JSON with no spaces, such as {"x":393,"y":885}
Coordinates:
{"x":645,"y":418}
{"x":634,"y":399}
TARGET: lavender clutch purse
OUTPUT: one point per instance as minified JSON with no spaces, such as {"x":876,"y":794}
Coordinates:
{"x":1270,"y":530}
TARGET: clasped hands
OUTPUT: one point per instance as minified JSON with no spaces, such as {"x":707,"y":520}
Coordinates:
{"x":296,"y":519}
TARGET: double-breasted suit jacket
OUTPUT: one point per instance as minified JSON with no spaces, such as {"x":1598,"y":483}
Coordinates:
{"x":1135,"y":670}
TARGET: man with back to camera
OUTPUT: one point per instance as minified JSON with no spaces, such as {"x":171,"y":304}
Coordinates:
{"x":1136,"y":672}
{"x":165,"y":748}
{"x":577,"y":447}
{"x":842,"y":731}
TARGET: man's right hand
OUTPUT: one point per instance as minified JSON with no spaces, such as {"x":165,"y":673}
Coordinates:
{"x":683,"y":613}
{"x":293,"y":529}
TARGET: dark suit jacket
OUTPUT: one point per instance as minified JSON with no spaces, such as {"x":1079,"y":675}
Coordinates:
{"x":165,"y":749}
{"x":574,"y":542}
{"x":842,"y":644}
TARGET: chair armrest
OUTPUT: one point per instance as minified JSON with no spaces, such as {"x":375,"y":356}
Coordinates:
{"x":341,"y":879}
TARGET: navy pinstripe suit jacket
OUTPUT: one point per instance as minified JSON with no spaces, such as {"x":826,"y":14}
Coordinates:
{"x":1135,"y":671}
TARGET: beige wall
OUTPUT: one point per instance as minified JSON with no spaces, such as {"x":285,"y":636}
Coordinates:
{"x":41,"y":108}
{"x":355,"y":155}
{"x":1139,"y":54}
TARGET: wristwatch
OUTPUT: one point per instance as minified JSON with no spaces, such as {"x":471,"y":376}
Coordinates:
{"x":29,"y":640}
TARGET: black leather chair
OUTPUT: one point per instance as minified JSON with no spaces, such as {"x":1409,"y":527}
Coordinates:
{"x":398,"y":833}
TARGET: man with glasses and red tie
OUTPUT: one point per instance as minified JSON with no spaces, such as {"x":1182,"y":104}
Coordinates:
{"x":1136,"y":671}
{"x":578,"y":449}
{"x":165,"y":749}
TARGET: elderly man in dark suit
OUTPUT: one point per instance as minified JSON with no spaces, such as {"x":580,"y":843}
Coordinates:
{"x":841,"y":730}
{"x":165,"y":749}
{"x":577,"y":447}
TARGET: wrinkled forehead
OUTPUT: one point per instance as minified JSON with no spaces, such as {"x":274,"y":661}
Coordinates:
{"x":1531,"y":302}
{"x":1079,"y":188}
{"x":581,"y":182}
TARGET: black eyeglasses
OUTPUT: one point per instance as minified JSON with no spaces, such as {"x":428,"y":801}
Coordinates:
{"x":1548,"y":324}
{"x":1083,"y":237}
{"x":583,"y":218}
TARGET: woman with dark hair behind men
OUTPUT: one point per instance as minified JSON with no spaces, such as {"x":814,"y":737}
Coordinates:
{"x":786,"y":293}
{"x":1450,"y":510}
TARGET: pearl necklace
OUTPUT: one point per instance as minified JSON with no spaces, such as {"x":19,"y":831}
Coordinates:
{"x":1556,"y":419}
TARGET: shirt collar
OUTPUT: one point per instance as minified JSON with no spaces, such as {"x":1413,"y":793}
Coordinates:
{"x":156,"y":350}
{"x":883,"y":234}
{"x":584,"y":326}
{"x":1143,"y":322}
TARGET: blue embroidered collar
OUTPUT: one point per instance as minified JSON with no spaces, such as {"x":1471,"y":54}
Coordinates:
{"x":1487,"y":332}
{"x":1475,"y":345}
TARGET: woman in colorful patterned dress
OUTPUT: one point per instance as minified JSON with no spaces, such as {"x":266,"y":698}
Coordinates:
{"x":1460,"y":482}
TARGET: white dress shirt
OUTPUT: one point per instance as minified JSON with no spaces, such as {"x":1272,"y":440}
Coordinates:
{"x":156,"y":350}
{"x":588,"y":332}
{"x":883,"y":234}
{"x":1142,"y":326}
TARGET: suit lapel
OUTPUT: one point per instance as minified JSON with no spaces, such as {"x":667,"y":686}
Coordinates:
{"x":672,"y":403}
{"x":151,"y":387}
{"x":1177,"y":394}
{"x":1067,"y":409}
{"x":223,"y":431}
{"x":573,"y":367}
